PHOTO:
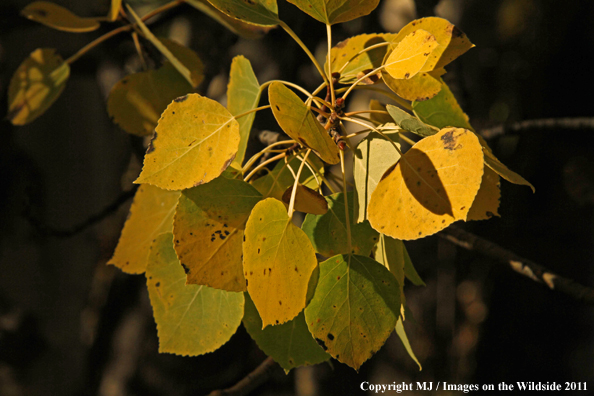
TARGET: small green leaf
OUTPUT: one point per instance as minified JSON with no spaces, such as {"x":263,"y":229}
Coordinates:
{"x":328,"y":232}
{"x":335,"y":11}
{"x":257,"y":12}
{"x":59,"y":18}
{"x":300,"y":124}
{"x":390,"y":253}
{"x":191,"y":320}
{"x":402,"y":335}
{"x":243,"y":94}
{"x":36,"y":85}
{"x":409,"y":270}
{"x":492,"y":162}
{"x":289,"y":344}
{"x":410,"y":123}
{"x":442,"y":111}
{"x":354,"y":309}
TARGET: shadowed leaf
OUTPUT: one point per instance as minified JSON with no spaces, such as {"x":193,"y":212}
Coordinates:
{"x":486,"y":203}
{"x":402,"y":335}
{"x":257,"y":12}
{"x":336,"y":11}
{"x":245,"y":30}
{"x":59,"y":18}
{"x":306,"y":200}
{"x":276,"y":182}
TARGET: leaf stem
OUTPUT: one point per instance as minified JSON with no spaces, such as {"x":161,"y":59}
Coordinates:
{"x":366,"y":111}
{"x":371,"y":47}
{"x":313,"y":172}
{"x":263,"y":164}
{"x":294,"y":192}
{"x":255,"y":157}
{"x":251,"y":111}
{"x":389,"y":94}
{"x":346,"y":203}
{"x":304,"y":47}
{"x":329,"y":62}
{"x":375,"y":130}
{"x":371,"y":73}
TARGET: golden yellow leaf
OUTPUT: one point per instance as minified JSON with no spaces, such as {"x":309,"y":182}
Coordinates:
{"x":458,"y":46}
{"x":195,"y":141}
{"x":486,"y":203}
{"x":306,"y":200}
{"x":422,"y":86}
{"x":411,"y":54}
{"x":433,"y":185}
{"x":151,"y":214}
{"x":278,"y":261}
{"x":114,"y":11}
{"x":57,"y":17}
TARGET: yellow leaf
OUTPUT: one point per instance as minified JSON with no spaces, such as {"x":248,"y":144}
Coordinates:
{"x":116,"y":5}
{"x":433,"y":185}
{"x":486,"y":203}
{"x":458,"y":46}
{"x":422,"y":86}
{"x":151,"y":214}
{"x":306,"y":200}
{"x":300,"y":124}
{"x":36,"y":85}
{"x":411,"y":54}
{"x":195,"y":141}
{"x":58,"y":17}
{"x":278,"y":261}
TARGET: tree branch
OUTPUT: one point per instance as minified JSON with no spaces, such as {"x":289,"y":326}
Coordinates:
{"x":250,"y":382}
{"x":521,"y":265}
{"x":546,"y":123}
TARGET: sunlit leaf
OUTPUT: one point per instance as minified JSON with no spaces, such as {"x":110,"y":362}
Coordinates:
{"x":278,"y":261}
{"x":442,"y":111}
{"x":195,"y":141}
{"x":151,"y":214}
{"x":306,"y":200}
{"x":300,"y":124}
{"x":336,"y":11}
{"x":191,"y":319}
{"x":354,"y":308}
{"x":410,"y":123}
{"x":243,"y":94}
{"x":257,"y":12}
{"x":36,"y":85}
{"x":328,"y":232}
{"x":116,"y":6}
{"x":402,"y":335}
{"x":433,"y":185}
{"x":208,"y":230}
{"x":378,"y":117}
{"x":411,"y":54}
{"x":422,"y":86}
{"x":289,"y":344}
{"x":486,"y":203}
{"x":276,"y":182}
{"x":57,"y":17}
{"x":238,"y":27}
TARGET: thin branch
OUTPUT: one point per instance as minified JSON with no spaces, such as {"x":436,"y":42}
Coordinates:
{"x":529,"y":269}
{"x":250,"y":382}
{"x":546,"y":123}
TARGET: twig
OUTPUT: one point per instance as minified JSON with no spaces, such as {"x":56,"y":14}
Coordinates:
{"x":250,"y":382}
{"x":534,"y":271}
{"x":546,"y":123}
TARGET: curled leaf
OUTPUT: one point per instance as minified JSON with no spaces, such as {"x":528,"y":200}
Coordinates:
{"x":306,"y":200}
{"x":59,"y":18}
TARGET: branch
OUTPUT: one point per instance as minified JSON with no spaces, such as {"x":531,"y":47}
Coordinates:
{"x":521,"y":265}
{"x":250,"y":382}
{"x":546,"y":123}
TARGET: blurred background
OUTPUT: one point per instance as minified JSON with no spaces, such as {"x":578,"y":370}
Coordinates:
{"x":70,"y":325}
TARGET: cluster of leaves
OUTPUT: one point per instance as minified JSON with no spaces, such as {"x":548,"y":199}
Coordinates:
{"x":214,"y":233}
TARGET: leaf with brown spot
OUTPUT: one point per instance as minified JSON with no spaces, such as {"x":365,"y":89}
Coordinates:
{"x":433,"y":185}
{"x":335,"y":11}
{"x":411,"y":54}
{"x":208,"y":229}
{"x":423,"y":86}
{"x":59,"y":18}
{"x":306,"y":200}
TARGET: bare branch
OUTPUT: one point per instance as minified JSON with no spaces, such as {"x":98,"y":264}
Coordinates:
{"x":250,"y":382}
{"x":521,"y":265}
{"x":546,"y":123}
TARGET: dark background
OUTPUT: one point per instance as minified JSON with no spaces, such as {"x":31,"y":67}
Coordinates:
{"x":70,"y":325}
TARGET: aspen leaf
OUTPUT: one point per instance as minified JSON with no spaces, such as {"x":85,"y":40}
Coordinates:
{"x":328,"y":232}
{"x":36,"y":85}
{"x":348,"y":59}
{"x":151,"y":214}
{"x":486,"y":203}
{"x":354,"y":308}
{"x":276,"y":182}
{"x":243,"y":94}
{"x":442,"y":111}
{"x":306,"y":200}
{"x":409,"y":270}
{"x":335,"y":11}
{"x":191,"y":319}
{"x":114,"y":11}
{"x":300,"y":124}
{"x":278,"y":261}
{"x":457,"y":46}
{"x":289,"y":344}
{"x":422,"y":86}
{"x":410,"y":123}
{"x":390,"y":253}
{"x":188,"y":57}
{"x":372,"y":157}
{"x":195,"y":141}
{"x":245,"y":30}
{"x":378,"y":117}
{"x":492,"y":162}
{"x":402,"y":335}
{"x":257,"y":12}
{"x":410,"y":55}
{"x":433,"y":185}
{"x":208,"y":232}
{"x":59,"y":18}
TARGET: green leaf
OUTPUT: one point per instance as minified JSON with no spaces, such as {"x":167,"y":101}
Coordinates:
{"x":442,"y":111}
{"x":278,"y":261}
{"x":151,"y":214}
{"x":409,"y":270}
{"x":243,"y":94}
{"x":410,"y":123}
{"x":289,"y":344}
{"x":328,"y":232}
{"x":188,"y":57}
{"x":390,"y":253}
{"x":411,"y":55}
{"x":276,"y":182}
{"x":300,"y":124}
{"x":191,"y":320}
{"x":257,"y":12}
{"x":208,"y":229}
{"x":372,"y":157}
{"x":195,"y":141}
{"x":59,"y":18}
{"x":354,"y":308}
{"x":336,"y":11}
{"x":402,"y":335}
{"x":36,"y":85}
{"x":492,"y":162}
